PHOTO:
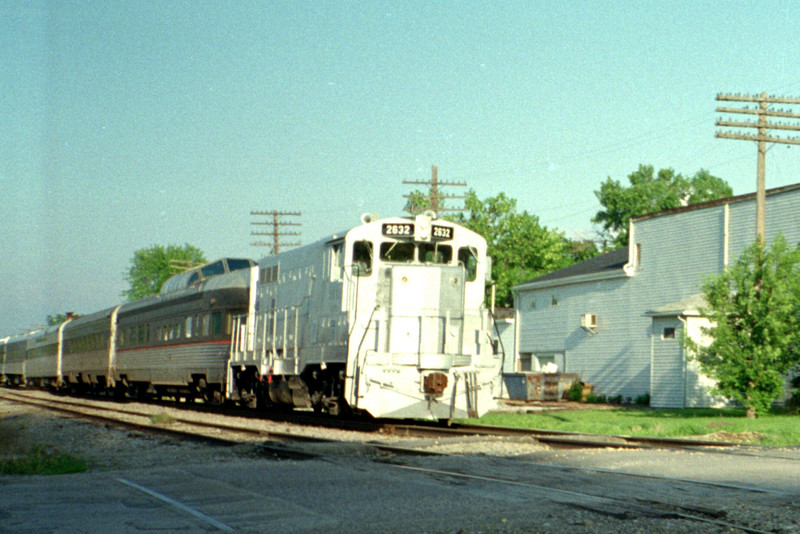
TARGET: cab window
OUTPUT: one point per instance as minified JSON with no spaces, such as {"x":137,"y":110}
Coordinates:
{"x":435,"y":253}
{"x":397,"y":252}
{"x":468,"y":257}
{"x":362,"y":258}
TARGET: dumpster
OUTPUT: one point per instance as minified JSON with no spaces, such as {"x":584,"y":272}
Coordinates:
{"x":534,"y":386}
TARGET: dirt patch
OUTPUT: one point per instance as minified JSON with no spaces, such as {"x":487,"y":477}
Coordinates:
{"x":732,"y":437}
{"x":506,"y":405}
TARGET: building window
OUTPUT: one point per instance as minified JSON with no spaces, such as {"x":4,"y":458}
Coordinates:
{"x":669,"y":333}
{"x":545,"y":358}
{"x":638,"y":258}
{"x":525,"y":361}
{"x":553,"y":300}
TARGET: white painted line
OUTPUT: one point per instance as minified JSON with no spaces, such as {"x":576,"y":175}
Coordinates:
{"x":200,"y":515}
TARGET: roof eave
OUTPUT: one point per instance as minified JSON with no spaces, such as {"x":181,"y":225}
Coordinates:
{"x":577,"y":279}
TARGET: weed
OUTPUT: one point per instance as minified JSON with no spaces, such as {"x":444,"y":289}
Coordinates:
{"x":162,"y":418}
{"x":42,"y":461}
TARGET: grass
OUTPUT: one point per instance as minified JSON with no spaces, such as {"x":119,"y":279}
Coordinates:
{"x":776,"y":428}
{"x":162,"y":418}
{"x":18,"y":456}
{"x":41,"y":461}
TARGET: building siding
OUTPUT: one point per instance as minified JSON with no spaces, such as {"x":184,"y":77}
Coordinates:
{"x":668,"y":365}
{"x":678,"y":250}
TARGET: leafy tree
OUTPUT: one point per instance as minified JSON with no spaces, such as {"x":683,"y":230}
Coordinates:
{"x":58,"y":318}
{"x":151,"y":267}
{"x":582,"y":250}
{"x":649,"y":193}
{"x":520,"y":247}
{"x":754,"y":307}
{"x":417,"y":202}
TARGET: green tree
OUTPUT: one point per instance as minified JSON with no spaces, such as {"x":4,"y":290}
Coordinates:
{"x":754,"y":309}
{"x":58,"y":318}
{"x":520,"y":247}
{"x":582,"y":249}
{"x":649,"y":193}
{"x":417,"y":202}
{"x":150,"y":268}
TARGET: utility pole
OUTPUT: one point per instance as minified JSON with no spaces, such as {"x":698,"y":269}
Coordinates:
{"x":276,"y":224}
{"x":763,"y":136}
{"x":435,"y":198}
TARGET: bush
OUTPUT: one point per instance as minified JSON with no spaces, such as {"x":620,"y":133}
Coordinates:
{"x":793,"y":403}
{"x":643,"y":399}
{"x":592,"y":398}
{"x":575,"y":392}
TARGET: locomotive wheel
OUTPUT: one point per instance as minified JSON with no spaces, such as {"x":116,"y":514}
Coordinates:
{"x":120,"y":391}
{"x":212,"y":397}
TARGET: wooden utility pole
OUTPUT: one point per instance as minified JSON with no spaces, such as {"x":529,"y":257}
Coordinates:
{"x":763,"y":136}
{"x":435,"y":198}
{"x":276,"y":234}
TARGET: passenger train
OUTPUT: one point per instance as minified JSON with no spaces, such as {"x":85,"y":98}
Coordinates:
{"x":387,"y":318}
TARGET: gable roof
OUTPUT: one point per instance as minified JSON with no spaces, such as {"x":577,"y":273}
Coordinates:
{"x":606,"y":265}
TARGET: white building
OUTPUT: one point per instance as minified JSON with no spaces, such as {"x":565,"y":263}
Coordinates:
{"x":617,"y":319}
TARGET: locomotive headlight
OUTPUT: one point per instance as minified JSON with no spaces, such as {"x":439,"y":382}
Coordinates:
{"x":404,"y":280}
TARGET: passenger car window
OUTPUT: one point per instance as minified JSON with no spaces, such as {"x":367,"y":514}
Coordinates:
{"x":213,"y":269}
{"x":236,"y":264}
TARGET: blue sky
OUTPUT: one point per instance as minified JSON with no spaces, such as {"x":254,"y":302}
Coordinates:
{"x":128,"y":124}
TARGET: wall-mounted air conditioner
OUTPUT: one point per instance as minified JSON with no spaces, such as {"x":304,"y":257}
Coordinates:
{"x":589,"y":321}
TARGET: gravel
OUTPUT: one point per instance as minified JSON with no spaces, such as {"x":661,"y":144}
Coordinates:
{"x":110,"y":447}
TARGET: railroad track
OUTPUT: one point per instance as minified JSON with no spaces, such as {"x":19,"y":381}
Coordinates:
{"x":377,"y":428}
{"x":555,"y":439}
{"x":192,"y":427}
{"x":280,"y":444}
